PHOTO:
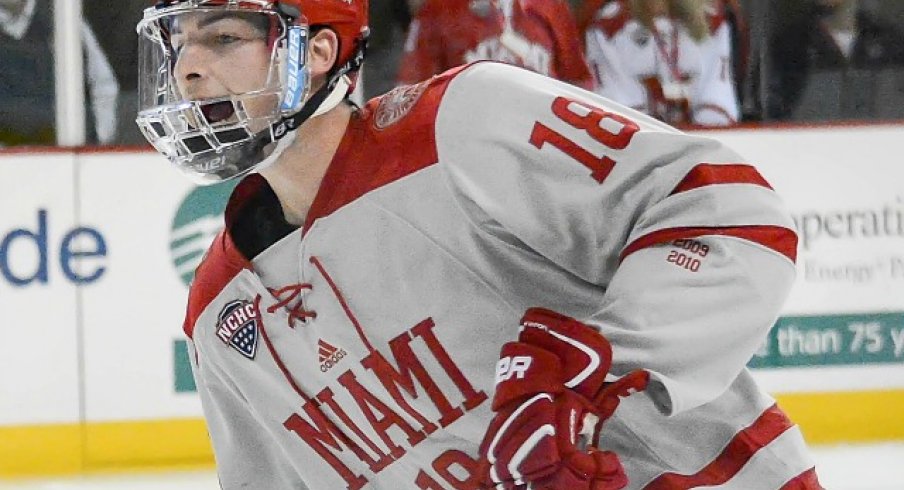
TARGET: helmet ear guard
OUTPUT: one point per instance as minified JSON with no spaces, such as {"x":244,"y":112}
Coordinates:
{"x":194,"y":134}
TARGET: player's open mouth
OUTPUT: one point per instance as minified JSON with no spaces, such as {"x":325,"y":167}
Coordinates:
{"x":218,"y":111}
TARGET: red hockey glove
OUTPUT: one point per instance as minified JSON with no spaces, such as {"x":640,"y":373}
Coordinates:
{"x":550,"y":402}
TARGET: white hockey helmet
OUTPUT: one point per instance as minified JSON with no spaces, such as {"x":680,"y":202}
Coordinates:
{"x":215,"y":137}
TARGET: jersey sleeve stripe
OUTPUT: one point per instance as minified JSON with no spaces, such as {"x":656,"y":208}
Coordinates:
{"x":706,"y":174}
{"x":777,"y":238}
{"x":767,"y":427}
{"x":804,"y":481}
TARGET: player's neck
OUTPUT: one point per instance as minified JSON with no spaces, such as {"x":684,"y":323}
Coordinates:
{"x":297,"y":175}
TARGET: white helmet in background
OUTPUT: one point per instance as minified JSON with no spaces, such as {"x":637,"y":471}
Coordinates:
{"x":213,"y":137}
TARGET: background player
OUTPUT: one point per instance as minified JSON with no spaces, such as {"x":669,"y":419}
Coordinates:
{"x":672,"y":59}
{"x":539,"y":35}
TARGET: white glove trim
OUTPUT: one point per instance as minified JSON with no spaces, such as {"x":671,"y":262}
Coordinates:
{"x":592,"y":366}
{"x":491,"y":451}
{"x":522,"y":453}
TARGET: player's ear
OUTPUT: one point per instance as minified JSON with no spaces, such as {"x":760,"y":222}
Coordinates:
{"x":323,"y":50}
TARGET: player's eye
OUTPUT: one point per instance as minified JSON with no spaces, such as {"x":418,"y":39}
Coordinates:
{"x":226,"y":39}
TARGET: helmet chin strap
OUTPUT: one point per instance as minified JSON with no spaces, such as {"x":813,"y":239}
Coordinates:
{"x":326,"y":98}
{"x":335,"y":97}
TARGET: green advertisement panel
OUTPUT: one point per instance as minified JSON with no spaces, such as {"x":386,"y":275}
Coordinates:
{"x":833,"y":340}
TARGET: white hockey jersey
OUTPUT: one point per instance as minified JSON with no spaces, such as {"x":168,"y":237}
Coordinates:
{"x":359,"y":350}
{"x":665,"y":73}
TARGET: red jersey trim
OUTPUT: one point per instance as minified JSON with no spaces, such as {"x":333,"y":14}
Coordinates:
{"x":770,"y":424}
{"x":221,"y":264}
{"x":706,"y":174}
{"x":777,"y":238}
{"x":716,"y":17}
{"x":804,"y":481}
{"x":609,"y":25}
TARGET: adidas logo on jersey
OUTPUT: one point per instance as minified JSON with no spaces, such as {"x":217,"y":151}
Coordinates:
{"x":329,"y":355}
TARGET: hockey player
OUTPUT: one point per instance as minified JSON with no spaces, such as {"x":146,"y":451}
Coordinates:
{"x":539,"y":35}
{"x":454,"y":286}
{"x":672,"y":59}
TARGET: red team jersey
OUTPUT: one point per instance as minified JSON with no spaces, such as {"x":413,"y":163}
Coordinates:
{"x":665,"y":72}
{"x":359,"y":350}
{"x":448,"y":33}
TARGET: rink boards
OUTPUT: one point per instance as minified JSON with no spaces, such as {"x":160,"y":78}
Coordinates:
{"x":96,"y":249}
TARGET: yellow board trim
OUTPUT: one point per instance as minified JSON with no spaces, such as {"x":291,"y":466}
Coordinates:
{"x":824,"y":418}
{"x":100,"y":447}
{"x":143,"y":444}
{"x":40,"y":450}
{"x":832,"y":418}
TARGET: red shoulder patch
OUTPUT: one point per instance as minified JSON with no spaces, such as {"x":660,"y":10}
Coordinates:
{"x":396,"y":104}
{"x":221,"y":264}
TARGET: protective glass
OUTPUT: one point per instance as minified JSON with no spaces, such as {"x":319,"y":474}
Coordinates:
{"x":216,"y":77}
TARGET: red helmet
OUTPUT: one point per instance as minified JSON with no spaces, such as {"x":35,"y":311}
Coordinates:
{"x":347,"y":17}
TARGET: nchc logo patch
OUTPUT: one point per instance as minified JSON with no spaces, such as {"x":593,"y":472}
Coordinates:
{"x":237,"y":327}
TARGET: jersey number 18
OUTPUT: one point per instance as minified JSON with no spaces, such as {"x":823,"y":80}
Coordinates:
{"x":588,"y":118}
